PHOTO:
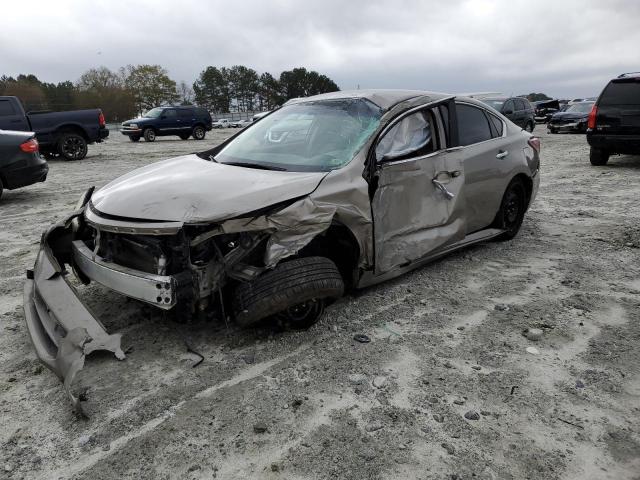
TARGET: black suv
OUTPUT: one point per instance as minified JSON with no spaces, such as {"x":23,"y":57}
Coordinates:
{"x":516,"y":109}
{"x":614,"y":121}
{"x":162,"y":121}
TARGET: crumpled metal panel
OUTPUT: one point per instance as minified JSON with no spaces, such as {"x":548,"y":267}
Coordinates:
{"x":292,"y":227}
{"x":411,"y":215}
{"x":62,"y":329}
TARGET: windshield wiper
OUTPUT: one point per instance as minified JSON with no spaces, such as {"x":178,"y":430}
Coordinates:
{"x":258,"y":166}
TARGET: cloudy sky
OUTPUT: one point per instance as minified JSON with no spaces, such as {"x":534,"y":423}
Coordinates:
{"x":564,"y":48}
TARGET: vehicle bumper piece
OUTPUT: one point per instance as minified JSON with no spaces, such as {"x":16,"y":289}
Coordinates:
{"x":62,"y":329}
{"x":21,"y":177}
{"x":158,"y":290}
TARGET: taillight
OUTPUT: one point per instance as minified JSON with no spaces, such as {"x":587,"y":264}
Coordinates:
{"x":101,"y":121}
{"x":30,"y":146}
{"x":591,"y":123}
{"x":534,"y":142}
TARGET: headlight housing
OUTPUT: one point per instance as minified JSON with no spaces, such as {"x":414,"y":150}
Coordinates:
{"x":133,"y":125}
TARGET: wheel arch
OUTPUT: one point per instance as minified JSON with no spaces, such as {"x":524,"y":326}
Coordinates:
{"x":70,"y":128}
{"x":339,"y":244}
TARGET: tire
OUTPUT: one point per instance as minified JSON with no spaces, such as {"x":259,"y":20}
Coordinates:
{"x":295,"y":292}
{"x":199,"y":132}
{"x":1,"y":188}
{"x":149,"y":135}
{"x":552,"y":130}
{"x":512,"y":210}
{"x":72,"y":146}
{"x":529,"y":127}
{"x":134,"y":139}
{"x":184,"y":137}
{"x":598,"y":157}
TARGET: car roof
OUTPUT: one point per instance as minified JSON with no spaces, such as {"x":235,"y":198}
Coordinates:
{"x":384,"y":98}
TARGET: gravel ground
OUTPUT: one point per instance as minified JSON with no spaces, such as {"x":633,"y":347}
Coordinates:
{"x":445,"y":389}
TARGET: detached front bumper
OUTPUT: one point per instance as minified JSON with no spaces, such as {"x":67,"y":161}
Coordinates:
{"x":63,"y":330}
{"x":566,"y":127}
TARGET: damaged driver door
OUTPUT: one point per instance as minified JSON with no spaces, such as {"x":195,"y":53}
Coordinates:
{"x":419,"y":205}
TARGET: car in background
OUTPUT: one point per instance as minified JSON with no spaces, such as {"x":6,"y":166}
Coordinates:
{"x":64,"y":134}
{"x":183,"y":122}
{"x":544,"y":109}
{"x":614,"y":122}
{"x":259,"y":115}
{"x":20,"y":161}
{"x":241,"y":123}
{"x":328,"y":193}
{"x":516,"y":109}
{"x":572,"y":119}
{"x":223,"y":123}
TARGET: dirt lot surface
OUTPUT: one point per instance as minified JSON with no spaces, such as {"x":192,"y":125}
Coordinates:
{"x":445,"y":389}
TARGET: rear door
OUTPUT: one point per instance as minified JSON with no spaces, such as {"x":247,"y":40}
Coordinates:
{"x":419,"y":203}
{"x":619,"y":107}
{"x":483,"y":141}
{"x":509,"y":110}
{"x":187,"y":117}
{"x":12,"y":117}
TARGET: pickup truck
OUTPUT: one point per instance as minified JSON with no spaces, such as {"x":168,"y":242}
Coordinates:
{"x":59,"y":133}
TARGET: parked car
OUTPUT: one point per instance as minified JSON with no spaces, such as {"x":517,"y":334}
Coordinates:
{"x":59,"y":133}
{"x":614,"y":121}
{"x":516,"y":109}
{"x":241,"y":123}
{"x":328,"y":193}
{"x":259,"y":115}
{"x":573,"y":119}
{"x":184,"y":122}
{"x":20,"y":161}
{"x":222,"y":123}
{"x":544,"y":110}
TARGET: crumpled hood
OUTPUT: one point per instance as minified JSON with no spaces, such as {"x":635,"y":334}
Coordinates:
{"x":190,"y":189}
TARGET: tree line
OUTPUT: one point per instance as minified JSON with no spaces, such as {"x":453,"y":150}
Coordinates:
{"x":131,"y":90}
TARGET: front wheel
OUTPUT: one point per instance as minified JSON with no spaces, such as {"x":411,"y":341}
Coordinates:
{"x":149,"y":135}
{"x":295,"y":292}
{"x":529,"y":127}
{"x":512,"y":210}
{"x":72,"y":146}
{"x":134,"y":139}
{"x":598,"y":156}
{"x":199,"y":133}
{"x":184,"y":137}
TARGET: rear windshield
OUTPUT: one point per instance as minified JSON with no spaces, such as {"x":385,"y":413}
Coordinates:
{"x":621,"y":93}
{"x":495,"y":103}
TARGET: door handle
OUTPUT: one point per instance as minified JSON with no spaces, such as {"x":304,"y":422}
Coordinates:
{"x":440,"y":186}
{"x":502,"y":154}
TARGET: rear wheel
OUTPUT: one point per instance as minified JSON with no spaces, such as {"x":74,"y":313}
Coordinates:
{"x":1,"y":188}
{"x":149,"y":135}
{"x":199,"y":132}
{"x":295,"y":292}
{"x":529,"y":127}
{"x":598,"y":156}
{"x":72,"y":146}
{"x":512,"y":209}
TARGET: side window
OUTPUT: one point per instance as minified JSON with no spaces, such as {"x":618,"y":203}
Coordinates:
{"x":410,"y":137}
{"x":473,"y":126}
{"x":186,"y":113}
{"x":170,"y":114}
{"x":519,"y":104}
{"x":6,"y":108}
{"x":508,"y":106}
{"x":496,"y":124}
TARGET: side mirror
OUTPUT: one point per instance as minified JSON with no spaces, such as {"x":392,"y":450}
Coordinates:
{"x":508,"y":112}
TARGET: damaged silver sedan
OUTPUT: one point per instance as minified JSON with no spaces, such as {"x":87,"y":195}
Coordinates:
{"x":325,"y":194}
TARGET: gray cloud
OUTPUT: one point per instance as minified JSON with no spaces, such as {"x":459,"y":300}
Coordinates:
{"x":564,"y":48}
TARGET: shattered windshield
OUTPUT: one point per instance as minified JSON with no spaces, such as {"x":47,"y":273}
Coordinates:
{"x":494,"y":103}
{"x":580,"y":107}
{"x":312,"y":136}
{"x":153,"y":113}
